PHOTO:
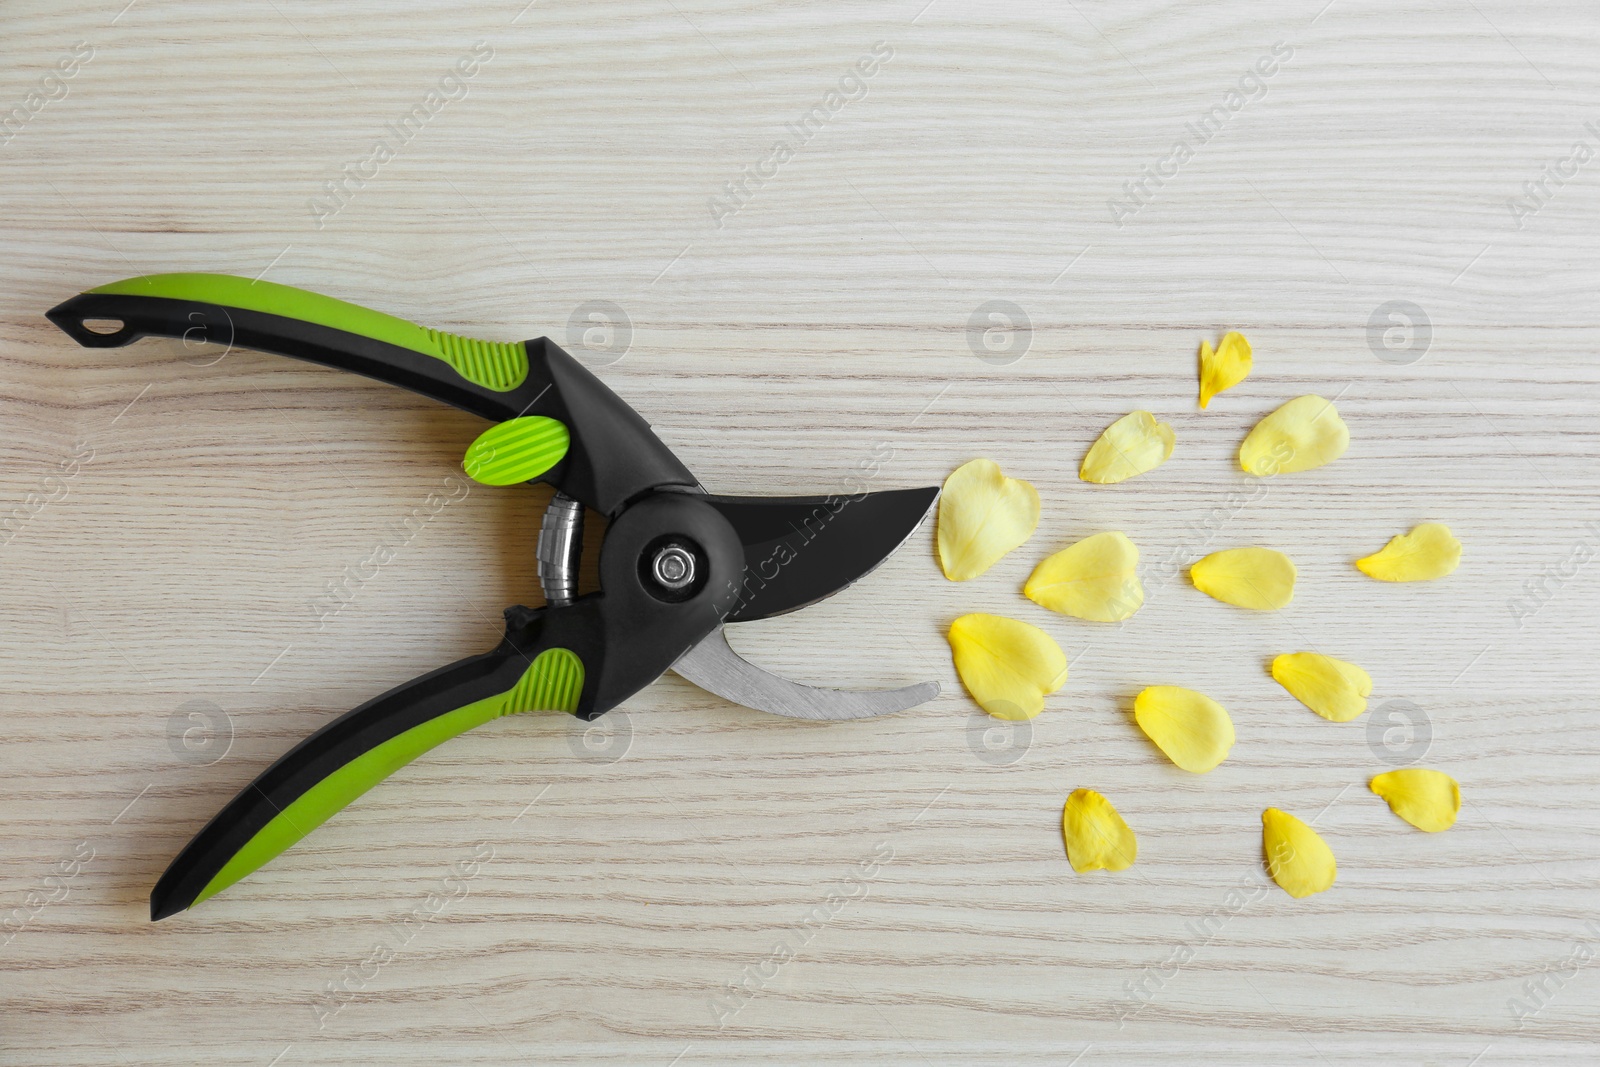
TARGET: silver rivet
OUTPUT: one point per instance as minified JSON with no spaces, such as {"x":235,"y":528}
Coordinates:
{"x":673,"y":567}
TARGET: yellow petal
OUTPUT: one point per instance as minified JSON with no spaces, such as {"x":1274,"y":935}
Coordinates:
{"x":1298,"y":860}
{"x":1007,"y":666}
{"x":1097,"y":838}
{"x":1095,"y":579}
{"x":1223,"y":368}
{"x":1132,"y":445}
{"x":1191,"y":728}
{"x":1428,"y":800}
{"x":1303,"y":434}
{"x":1428,"y":551}
{"x":1255,"y":578}
{"x":1332,"y":688}
{"x":982,"y":516}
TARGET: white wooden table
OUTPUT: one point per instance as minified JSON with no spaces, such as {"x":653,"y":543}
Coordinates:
{"x":1353,"y":215}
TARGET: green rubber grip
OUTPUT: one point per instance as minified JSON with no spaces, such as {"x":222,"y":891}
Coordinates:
{"x":497,"y":365}
{"x":518,"y":450}
{"x":552,"y":682}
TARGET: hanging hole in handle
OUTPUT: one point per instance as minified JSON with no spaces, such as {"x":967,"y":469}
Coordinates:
{"x":92,"y":331}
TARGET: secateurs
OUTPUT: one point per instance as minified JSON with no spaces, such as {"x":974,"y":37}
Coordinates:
{"x":676,"y":564}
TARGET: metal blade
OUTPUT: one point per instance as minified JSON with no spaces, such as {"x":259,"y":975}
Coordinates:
{"x":799,"y":550}
{"x":717,"y":668}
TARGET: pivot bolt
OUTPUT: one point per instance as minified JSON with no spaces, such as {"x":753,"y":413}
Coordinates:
{"x":673,"y":567}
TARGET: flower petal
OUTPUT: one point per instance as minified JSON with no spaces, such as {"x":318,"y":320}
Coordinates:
{"x":1255,"y":578}
{"x":1097,"y":838}
{"x":1095,"y":579}
{"x":1298,"y":860}
{"x":982,"y":516}
{"x":1428,"y":551}
{"x":1429,"y":800}
{"x":1191,"y":728}
{"x":1223,"y":367}
{"x":1303,"y":434}
{"x":1132,"y":445}
{"x":1007,"y":666}
{"x":1332,"y":688}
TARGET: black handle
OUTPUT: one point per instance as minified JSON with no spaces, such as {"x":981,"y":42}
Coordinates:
{"x":584,"y":658}
{"x":613,"y":455}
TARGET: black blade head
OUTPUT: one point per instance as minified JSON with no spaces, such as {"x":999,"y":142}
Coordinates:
{"x":799,"y":550}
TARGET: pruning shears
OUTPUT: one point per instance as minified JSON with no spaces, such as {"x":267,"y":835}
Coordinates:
{"x":677,"y":564}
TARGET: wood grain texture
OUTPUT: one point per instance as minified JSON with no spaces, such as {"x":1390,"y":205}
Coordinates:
{"x":640,"y":870}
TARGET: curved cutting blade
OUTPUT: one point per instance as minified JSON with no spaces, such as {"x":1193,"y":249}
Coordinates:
{"x":717,"y":668}
{"x":799,"y":550}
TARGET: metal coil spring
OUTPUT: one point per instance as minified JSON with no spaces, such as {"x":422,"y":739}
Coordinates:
{"x":560,"y":545}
